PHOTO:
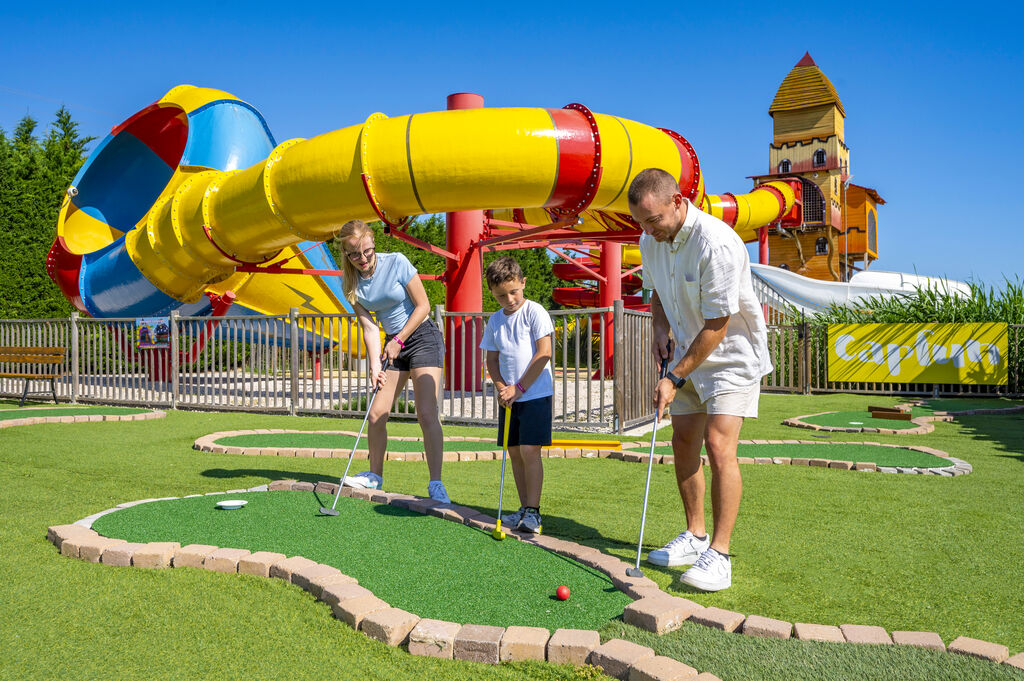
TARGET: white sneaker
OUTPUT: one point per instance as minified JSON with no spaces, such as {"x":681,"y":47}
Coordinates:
{"x":711,"y":572}
{"x":437,"y":492}
{"x":531,"y":522}
{"x":683,"y":550}
{"x":512,"y":519}
{"x":364,"y":480}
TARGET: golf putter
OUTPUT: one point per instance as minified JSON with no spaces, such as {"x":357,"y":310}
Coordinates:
{"x":635,"y":571}
{"x":498,"y":533}
{"x":341,"y":483}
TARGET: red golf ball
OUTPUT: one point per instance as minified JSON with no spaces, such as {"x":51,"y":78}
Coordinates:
{"x":563,"y":593}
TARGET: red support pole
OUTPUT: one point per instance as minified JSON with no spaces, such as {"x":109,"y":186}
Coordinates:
{"x":463,"y":277}
{"x":609,"y":291}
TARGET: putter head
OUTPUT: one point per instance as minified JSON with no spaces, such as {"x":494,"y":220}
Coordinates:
{"x":634,"y":572}
{"x":498,"y":534}
{"x":327,"y":511}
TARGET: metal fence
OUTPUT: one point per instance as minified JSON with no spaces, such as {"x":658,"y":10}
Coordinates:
{"x":316,"y":364}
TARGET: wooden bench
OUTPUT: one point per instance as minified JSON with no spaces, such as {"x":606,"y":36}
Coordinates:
{"x":893,"y":413}
{"x":32,"y":363}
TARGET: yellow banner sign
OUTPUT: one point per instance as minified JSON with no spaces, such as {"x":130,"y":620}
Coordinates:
{"x":918,"y":353}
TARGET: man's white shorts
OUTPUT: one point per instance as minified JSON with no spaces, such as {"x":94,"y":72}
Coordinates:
{"x":740,"y":403}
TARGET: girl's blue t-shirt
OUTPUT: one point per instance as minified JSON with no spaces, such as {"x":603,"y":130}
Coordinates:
{"x":384,"y":293}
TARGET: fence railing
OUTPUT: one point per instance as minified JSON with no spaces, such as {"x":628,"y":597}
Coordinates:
{"x":316,"y":364}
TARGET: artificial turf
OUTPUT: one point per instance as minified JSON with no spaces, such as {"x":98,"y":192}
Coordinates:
{"x":905,"y":552}
{"x":336,"y":441}
{"x":27,"y":413}
{"x":857,"y":419}
{"x":432,"y":567}
{"x":966,"y":404}
{"x":839,"y":451}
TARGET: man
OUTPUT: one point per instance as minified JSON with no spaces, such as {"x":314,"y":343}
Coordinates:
{"x":700,"y":273}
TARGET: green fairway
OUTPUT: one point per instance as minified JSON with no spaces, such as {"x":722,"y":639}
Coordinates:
{"x":857,"y":419}
{"x":344,"y":442}
{"x":426,"y":565}
{"x":28,"y":412}
{"x":905,"y":552}
{"x":883,"y":456}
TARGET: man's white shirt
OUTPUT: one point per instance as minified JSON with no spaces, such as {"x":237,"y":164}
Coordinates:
{"x":704,"y":273}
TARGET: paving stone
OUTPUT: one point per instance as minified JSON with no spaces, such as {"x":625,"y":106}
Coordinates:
{"x":763,"y":460}
{"x":478,"y":643}
{"x":800,"y":462}
{"x":717,"y":618}
{"x":842,"y":465}
{"x":433,"y":638}
{"x":302,"y":577}
{"x":481,"y":523}
{"x":280,"y":485}
{"x":390,"y":626}
{"x":660,"y":615}
{"x":887,"y":469}
{"x":91,"y":550}
{"x":56,"y":534}
{"x":660,"y":668}
{"x":782,"y":460}
{"x":918,"y":639}
{"x":822,"y":463}
{"x":422,"y":505}
{"x":225,"y":560}
{"x":818,"y":632}
{"x":616,"y":657}
{"x":706,"y":676}
{"x":862,"y":633}
{"x":981,"y":649}
{"x":259,"y":563}
{"x":1015,"y":661}
{"x":333,"y":594}
{"x":318,"y":584}
{"x":284,"y":569}
{"x":766,"y":627}
{"x":120,"y":554}
{"x":302,"y":486}
{"x":324,"y":487}
{"x":746,"y":460}
{"x":353,"y":610}
{"x":156,"y":554}
{"x":523,"y":643}
{"x":866,"y":466}
{"x":192,"y":555}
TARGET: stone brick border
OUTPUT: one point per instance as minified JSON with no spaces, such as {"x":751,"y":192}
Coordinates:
{"x":630,"y":452}
{"x":924,"y":423}
{"x":652,"y":609}
{"x":83,"y":418}
{"x":208,"y":443}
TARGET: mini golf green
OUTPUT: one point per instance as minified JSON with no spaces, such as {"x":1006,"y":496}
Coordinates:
{"x":28,"y":413}
{"x":315,"y":440}
{"x":855,"y":452}
{"x":965,"y":404}
{"x":859,"y":419}
{"x":432,"y":567}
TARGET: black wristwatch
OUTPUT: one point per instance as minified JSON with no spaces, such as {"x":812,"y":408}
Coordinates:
{"x":676,"y":381}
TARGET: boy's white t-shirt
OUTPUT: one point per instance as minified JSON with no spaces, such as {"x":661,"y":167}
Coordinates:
{"x":514,"y":337}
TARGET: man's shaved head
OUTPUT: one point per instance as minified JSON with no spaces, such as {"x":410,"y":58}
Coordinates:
{"x":652,"y":181}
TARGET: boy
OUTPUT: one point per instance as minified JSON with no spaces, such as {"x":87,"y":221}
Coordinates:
{"x":518,"y":344}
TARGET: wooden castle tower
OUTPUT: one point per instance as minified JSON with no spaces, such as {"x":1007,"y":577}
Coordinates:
{"x":839,"y":232}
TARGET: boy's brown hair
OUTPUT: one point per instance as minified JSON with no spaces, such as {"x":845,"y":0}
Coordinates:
{"x":505,"y":268}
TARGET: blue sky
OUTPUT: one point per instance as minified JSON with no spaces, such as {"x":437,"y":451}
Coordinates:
{"x":932,"y":92}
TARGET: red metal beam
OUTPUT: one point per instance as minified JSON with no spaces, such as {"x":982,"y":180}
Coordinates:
{"x":593,"y":275}
{"x":424,"y":246}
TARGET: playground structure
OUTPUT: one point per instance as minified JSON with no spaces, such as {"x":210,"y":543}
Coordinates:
{"x":191,"y":206}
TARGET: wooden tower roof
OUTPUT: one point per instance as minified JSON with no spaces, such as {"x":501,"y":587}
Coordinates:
{"x":805,"y":86}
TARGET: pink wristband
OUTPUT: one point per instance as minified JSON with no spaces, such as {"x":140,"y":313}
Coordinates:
{"x":521,"y":388}
{"x":399,"y":341}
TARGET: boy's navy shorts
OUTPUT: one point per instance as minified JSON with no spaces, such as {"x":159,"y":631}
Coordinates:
{"x":424,"y":348}
{"x":531,"y":423}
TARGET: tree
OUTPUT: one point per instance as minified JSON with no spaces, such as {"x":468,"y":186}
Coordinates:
{"x":33,"y":178}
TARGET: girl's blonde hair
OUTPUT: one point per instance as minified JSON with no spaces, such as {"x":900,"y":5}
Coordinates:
{"x":357,"y":229}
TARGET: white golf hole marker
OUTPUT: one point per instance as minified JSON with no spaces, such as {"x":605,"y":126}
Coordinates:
{"x":231,"y":504}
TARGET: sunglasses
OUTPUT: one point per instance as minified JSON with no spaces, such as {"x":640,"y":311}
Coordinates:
{"x":365,"y":255}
